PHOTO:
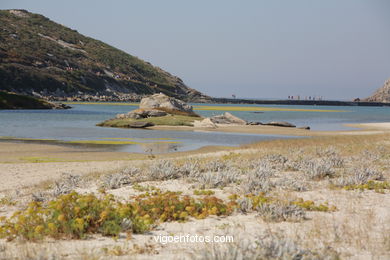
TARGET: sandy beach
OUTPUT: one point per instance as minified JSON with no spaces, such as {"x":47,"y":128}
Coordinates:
{"x":32,"y":168}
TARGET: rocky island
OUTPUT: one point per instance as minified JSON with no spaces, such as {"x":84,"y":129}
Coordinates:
{"x":158,"y":109}
{"x":161,"y":110}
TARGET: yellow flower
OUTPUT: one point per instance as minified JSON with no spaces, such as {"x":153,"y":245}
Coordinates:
{"x":183,"y":215}
{"x":52,"y":227}
{"x":163,"y":217}
{"x":61,"y":218}
{"x":79,"y":223}
{"x":213,"y":211}
{"x":104,"y":215}
{"x":39,"y":229}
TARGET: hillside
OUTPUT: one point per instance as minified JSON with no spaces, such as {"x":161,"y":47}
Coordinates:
{"x":17,"y":101}
{"x":382,"y":94}
{"x":44,"y":58}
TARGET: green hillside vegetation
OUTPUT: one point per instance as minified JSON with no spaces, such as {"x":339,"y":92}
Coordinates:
{"x":16,"y":101}
{"x":37,"y":54}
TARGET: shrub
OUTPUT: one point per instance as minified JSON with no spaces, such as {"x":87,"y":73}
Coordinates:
{"x":215,"y":166}
{"x":277,"y":161}
{"x":378,"y":186}
{"x":163,"y":170}
{"x":331,"y":155}
{"x":274,"y":209}
{"x":316,"y":169}
{"x":280,"y":211}
{"x":117,"y":180}
{"x":204,"y":192}
{"x":218,"y":179}
{"x":359,"y":176}
{"x":68,"y":183}
{"x":244,"y":205}
{"x":267,"y":246}
{"x":291,"y":184}
{"x":258,"y":179}
{"x":7,"y":201}
{"x":74,"y":215}
{"x":190,"y":168}
{"x":311,"y":206}
{"x":70,"y":216}
{"x":253,"y":184}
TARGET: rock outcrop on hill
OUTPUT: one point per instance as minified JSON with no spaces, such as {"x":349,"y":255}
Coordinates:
{"x":42,"y":58}
{"x":382,"y":94}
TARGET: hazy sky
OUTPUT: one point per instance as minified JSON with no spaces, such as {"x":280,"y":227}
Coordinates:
{"x":339,"y":49}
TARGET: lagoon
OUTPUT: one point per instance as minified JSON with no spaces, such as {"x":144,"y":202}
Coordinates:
{"x":77,"y":125}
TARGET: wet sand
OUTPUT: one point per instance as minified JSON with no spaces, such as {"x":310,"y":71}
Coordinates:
{"x":372,"y":128}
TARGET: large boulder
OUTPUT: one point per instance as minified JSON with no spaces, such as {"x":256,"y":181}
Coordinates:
{"x":205,"y":123}
{"x":165,"y":103}
{"x":227,"y":118}
{"x":141,"y":113}
{"x":144,"y":113}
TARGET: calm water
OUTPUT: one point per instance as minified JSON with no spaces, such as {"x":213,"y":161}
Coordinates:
{"x":79,"y":122}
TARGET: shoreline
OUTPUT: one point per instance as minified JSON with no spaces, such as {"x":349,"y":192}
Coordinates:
{"x":363,"y":129}
{"x":46,"y":151}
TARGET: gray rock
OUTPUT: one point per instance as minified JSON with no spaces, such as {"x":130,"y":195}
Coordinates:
{"x":205,"y":123}
{"x":304,"y":127}
{"x":120,"y":116}
{"x":280,"y":123}
{"x":254,"y":123}
{"x":140,"y":124}
{"x":227,"y":118}
{"x":142,"y":113}
{"x":156,"y":113}
{"x":137,"y":114}
{"x":165,"y":102}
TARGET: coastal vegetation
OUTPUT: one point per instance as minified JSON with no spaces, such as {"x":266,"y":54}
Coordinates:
{"x":296,"y":189}
{"x":16,"y":101}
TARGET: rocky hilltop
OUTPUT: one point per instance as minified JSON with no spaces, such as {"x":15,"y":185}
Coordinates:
{"x":382,"y":94}
{"x":43,"y":58}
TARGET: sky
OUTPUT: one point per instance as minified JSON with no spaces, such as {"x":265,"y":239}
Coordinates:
{"x":337,"y":49}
